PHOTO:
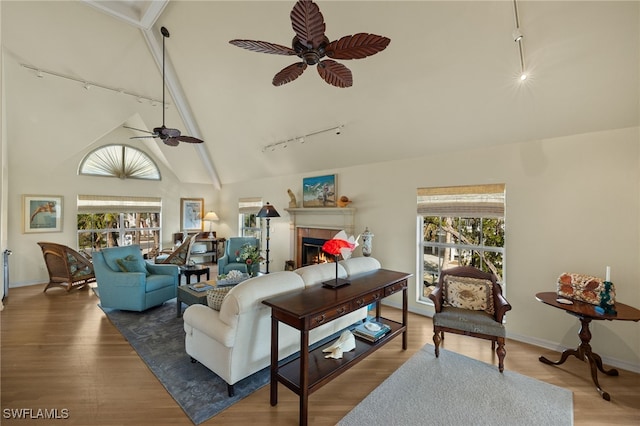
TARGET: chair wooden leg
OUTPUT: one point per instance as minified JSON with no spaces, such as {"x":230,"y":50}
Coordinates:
{"x":436,"y":342}
{"x":501,"y":352}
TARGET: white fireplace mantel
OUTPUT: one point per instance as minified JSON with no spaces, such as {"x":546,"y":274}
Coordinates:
{"x":336,"y":218}
{"x":323,"y":217}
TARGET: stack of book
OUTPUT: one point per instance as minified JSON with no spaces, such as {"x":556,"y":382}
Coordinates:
{"x":371,"y":330}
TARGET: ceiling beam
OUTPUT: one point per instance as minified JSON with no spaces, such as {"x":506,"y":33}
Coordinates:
{"x":145,"y":18}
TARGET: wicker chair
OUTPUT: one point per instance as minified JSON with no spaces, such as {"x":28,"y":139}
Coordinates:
{"x":469,"y":301}
{"x":67,"y":268}
{"x":179,"y":256}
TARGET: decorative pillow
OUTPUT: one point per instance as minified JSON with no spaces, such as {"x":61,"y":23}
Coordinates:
{"x":216,"y":296}
{"x":584,"y":288}
{"x":468,"y":293}
{"x":132,"y":264}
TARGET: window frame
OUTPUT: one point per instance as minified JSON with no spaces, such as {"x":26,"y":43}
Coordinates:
{"x":474,"y":204}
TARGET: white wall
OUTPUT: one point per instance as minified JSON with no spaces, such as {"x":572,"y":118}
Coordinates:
{"x":572,"y":206}
{"x":43,"y":177}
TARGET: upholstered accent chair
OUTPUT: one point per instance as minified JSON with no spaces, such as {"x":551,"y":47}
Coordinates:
{"x":127,"y":282}
{"x":228,"y":262}
{"x":469,"y":301}
{"x":67,"y":268}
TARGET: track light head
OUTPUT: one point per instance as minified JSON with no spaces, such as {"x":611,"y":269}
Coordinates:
{"x":517,"y":35}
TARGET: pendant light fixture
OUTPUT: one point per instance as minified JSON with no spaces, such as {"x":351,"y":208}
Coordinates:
{"x":518,"y":38}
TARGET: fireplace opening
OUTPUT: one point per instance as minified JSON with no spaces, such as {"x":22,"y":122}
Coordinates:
{"x":312,"y":252}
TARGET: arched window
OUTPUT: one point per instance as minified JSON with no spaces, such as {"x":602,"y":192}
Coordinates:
{"x":119,"y":161}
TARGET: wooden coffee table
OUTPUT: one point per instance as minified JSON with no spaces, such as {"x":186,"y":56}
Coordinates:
{"x":585,"y":312}
{"x":191,"y":297}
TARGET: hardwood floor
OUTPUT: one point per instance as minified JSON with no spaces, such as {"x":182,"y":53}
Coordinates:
{"x":59,"y":351}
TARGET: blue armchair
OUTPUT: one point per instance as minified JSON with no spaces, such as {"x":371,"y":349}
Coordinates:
{"x":125,"y":281}
{"x":228,"y":262}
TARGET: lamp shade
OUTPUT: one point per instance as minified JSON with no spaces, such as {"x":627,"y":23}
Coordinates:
{"x":268,"y":211}
{"x":210,"y":217}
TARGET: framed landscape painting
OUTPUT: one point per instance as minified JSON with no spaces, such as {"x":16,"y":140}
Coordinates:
{"x":191,"y":214}
{"x":319,"y":191}
{"x":41,"y":213}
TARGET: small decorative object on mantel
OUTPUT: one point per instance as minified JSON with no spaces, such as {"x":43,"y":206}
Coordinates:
{"x":339,"y":245}
{"x":344,"y":201}
{"x":293,"y":203}
{"x":367,"y":236}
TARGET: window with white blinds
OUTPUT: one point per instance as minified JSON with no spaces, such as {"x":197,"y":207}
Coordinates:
{"x":460,"y":225}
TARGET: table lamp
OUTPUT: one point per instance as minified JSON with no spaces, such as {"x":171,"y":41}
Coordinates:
{"x":210,"y":217}
{"x":268,"y":211}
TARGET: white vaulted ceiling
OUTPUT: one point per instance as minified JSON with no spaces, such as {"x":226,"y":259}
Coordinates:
{"x":447,"y":81}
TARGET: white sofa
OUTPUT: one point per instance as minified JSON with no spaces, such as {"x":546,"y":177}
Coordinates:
{"x":236,"y":341}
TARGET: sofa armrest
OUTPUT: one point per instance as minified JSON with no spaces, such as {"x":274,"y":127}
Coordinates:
{"x":208,"y":321}
{"x":160,"y":269}
{"x":122,"y":279}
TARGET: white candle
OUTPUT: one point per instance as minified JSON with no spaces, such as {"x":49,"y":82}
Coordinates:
{"x":608,"y":275}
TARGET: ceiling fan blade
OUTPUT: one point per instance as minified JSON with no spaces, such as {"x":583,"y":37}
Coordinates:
{"x":144,"y":137}
{"x":308,"y":23}
{"x":188,"y":139}
{"x":263,"y":47}
{"x":290,"y":73}
{"x":335,"y":73}
{"x":139,"y":130}
{"x":171,"y":141}
{"x":357,"y":46}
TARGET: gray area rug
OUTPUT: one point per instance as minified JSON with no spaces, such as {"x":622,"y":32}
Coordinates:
{"x":158,"y":338}
{"x":456,"y":390}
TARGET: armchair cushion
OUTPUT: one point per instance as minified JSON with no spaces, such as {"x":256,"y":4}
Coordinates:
{"x":469,"y":321}
{"x":132,"y":264}
{"x":468,"y":293}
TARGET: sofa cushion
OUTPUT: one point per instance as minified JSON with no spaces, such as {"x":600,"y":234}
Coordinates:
{"x":132,"y":263}
{"x":468,"y":293}
{"x":216,"y":296}
{"x":317,"y":274}
{"x":359,"y":265}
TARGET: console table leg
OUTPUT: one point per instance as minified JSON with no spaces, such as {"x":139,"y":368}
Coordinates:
{"x":274,"y":362}
{"x":304,"y":376}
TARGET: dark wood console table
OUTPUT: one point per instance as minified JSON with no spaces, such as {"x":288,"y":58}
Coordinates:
{"x":312,"y":307}
{"x":585,"y":312}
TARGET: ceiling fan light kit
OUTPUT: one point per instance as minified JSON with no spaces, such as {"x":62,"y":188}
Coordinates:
{"x":311,"y":45}
{"x":171,"y":137}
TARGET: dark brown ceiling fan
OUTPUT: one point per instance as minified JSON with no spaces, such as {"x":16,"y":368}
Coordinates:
{"x":171,"y":137}
{"x":311,"y":45}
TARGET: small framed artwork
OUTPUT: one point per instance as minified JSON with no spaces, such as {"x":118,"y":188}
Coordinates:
{"x":191,"y":214}
{"x":319,"y":191}
{"x":41,"y":213}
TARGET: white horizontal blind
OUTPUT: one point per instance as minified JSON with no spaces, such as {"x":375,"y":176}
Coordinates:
{"x":115,"y":204}
{"x":250,"y":205}
{"x":462,"y":201}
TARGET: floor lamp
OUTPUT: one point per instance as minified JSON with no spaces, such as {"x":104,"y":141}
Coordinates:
{"x":268,"y":211}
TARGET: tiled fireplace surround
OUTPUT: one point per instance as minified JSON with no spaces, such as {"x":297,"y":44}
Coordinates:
{"x":317,"y":223}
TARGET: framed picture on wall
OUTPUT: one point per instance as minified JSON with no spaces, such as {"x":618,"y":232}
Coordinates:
{"x":41,"y":213}
{"x":319,"y":191}
{"x":191,"y":214}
